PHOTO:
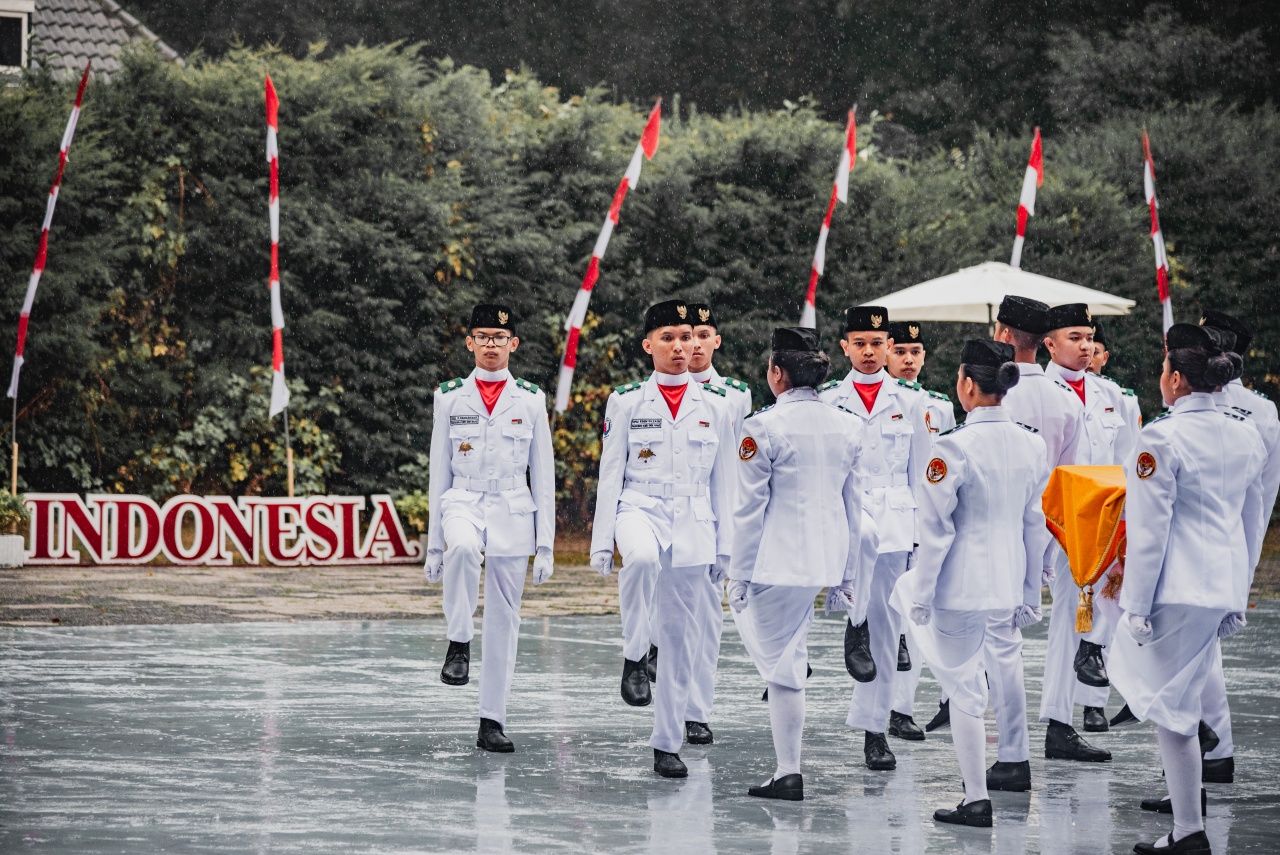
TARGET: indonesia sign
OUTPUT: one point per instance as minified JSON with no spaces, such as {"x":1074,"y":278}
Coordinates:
{"x":216,"y":530}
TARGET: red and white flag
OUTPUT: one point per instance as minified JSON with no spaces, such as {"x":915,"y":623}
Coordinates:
{"x":839,"y":192}
{"x":1027,"y":202}
{"x":578,"y":314}
{"x":279,"y":391}
{"x":1157,"y":236}
{"x":42,"y":250}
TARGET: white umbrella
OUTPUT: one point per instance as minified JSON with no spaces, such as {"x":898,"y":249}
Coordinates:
{"x":973,"y":295}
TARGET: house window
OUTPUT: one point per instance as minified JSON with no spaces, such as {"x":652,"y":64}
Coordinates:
{"x":15,"y":24}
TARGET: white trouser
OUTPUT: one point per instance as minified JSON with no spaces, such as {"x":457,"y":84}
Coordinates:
{"x":1059,"y":691}
{"x":1002,"y":659}
{"x":702,"y":693}
{"x":504,"y":577}
{"x":683,"y":596}
{"x":636,"y":580}
{"x":869,"y":708}
{"x":1215,"y":710}
{"x":904,"y":687}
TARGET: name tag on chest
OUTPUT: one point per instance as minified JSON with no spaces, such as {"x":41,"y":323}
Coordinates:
{"x":454,"y":421}
{"x":645,"y":424}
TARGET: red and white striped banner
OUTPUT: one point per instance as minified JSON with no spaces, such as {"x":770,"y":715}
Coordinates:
{"x":279,"y":391}
{"x":839,"y":192}
{"x":43,"y":250}
{"x":578,"y":314}
{"x":1027,"y":202}
{"x":1157,"y":236}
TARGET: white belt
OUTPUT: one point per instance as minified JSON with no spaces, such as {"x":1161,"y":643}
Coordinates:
{"x":665,"y":489}
{"x":897,"y":479}
{"x":489,"y":485}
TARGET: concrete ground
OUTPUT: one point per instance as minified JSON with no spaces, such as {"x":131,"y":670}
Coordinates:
{"x":337,"y":736}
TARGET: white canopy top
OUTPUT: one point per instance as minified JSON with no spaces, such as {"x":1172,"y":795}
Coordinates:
{"x":973,"y":295}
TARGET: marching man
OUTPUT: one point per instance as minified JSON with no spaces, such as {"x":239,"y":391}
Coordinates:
{"x":895,"y":450}
{"x":665,"y":497}
{"x":488,"y":431}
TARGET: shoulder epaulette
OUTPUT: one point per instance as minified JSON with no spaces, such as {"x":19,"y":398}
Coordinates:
{"x":710,"y":388}
{"x":1105,"y":377}
{"x":1242,"y":411}
{"x":736,"y":384}
{"x":1256,"y":392}
{"x":845,"y":410}
{"x":909,"y":384}
{"x":1158,"y":418}
{"x":938,"y":395}
{"x":627,"y":387}
{"x":953,"y":430}
{"x":830,"y":384}
{"x":1235,"y":416}
{"x":1061,"y":385}
{"x":761,"y":410}
{"x":450,"y":385}
{"x":1129,"y":392}
{"x":1027,"y":427}
{"x":527,"y":386}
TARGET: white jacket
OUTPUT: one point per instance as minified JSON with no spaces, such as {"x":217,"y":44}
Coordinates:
{"x":1049,"y":407}
{"x":799,"y":514}
{"x":1193,"y":508}
{"x":1109,"y":435}
{"x":1262,"y":413}
{"x":981,"y":519}
{"x":737,"y":394}
{"x":479,"y":461}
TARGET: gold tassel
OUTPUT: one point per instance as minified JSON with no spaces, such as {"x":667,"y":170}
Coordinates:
{"x":1084,"y":611}
{"x":1115,"y":579}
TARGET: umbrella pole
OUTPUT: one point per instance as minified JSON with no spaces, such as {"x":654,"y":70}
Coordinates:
{"x":991,"y":321}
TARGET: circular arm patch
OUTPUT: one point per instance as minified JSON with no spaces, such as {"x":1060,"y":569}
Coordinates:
{"x":748,"y":448}
{"x":937,"y":470}
{"x":1146,"y":465}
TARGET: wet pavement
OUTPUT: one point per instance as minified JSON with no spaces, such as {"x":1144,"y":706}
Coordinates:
{"x":339,"y":737}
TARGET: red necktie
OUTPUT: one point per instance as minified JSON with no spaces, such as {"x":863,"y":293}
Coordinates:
{"x":674,"y":395}
{"x":489,"y":392}
{"x":1078,"y":385}
{"x":868,"y":393}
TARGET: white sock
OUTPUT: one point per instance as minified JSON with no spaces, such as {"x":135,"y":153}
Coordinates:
{"x":786,"y":717}
{"x":1181,"y":756}
{"x":968,"y":734}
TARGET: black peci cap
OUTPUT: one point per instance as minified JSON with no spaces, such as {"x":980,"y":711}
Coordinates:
{"x":1069,"y":315}
{"x":796,"y":338}
{"x":1099,"y":336}
{"x":668,"y":313}
{"x":1225,"y":340}
{"x":866,"y":319}
{"x":905,"y":332}
{"x":702,"y":315}
{"x":492,"y":316}
{"x":1190,"y":335}
{"x":992,"y":354}
{"x":1223,"y":321}
{"x":1023,"y":313}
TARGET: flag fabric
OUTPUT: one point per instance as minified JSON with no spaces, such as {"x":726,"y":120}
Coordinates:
{"x":1157,"y":236}
{"x":279,"y":391}
{"x":42,"y":250}
{"x":578,"y":314}
{"x":1033,"y":178}
{"x":839,"y":193}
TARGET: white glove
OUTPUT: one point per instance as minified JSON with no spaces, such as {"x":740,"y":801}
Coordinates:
{"x":921,"y":615}
{"x":1231,"y":624}
{"x":544,"y":564}
{"x":602,"y":562}
{"x":720,"y":570}
{"x":738,"y":594}
{"x":1140,"y":627}
{"x":434,"y":568}
{"x":840,"y":597}
{"x":1024,"y":616}
{"x":1047,"y":575}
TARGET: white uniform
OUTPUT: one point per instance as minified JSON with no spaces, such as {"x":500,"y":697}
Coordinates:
{"x":481,"y":502}
{"x":895,"y":450}
{"x":737,"y":393}
{"x":665,"y":495}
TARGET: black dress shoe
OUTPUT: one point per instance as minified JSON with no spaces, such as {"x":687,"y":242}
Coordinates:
{"x":876,"y":749}
{"x":697,"y":733}
{"x":942,"y":718}
{"x":976,"y":814}
{"x":1095,"y":720}
{"x":491,"y":737}
{"x":857,"y":652}
{"x":904,"y":727}
{"x":1061,"y":742}
{"x":1010,"y":777}
{"x":457,"y":664}
{"x":1221,"y":771}
{"x":669,"y":765}
{"x":1125,"y":716}
{"x":1208,"y":738}
{"x":651,"y":666}
{"x":904,"y":655}
{"x":808,"y":672}
{"x":1090,"y":669}
{"x":789,"y":788}
{"x":1192,"y":844}
{"x":635,"y":684}
{"x":1165,"y":805}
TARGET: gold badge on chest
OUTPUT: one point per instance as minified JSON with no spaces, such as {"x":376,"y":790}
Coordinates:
{"x":646,"y":454}
{"x":465,"y":447}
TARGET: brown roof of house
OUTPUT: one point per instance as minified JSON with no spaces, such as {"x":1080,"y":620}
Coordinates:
{"x":69,"y":33}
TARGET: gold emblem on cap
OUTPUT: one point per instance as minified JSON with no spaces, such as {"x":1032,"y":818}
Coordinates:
{"x":704,"y":315}
{"x":1088,"y":316}
{"x":876,"y":321}
{"x":913,"y":331}
{"x":1203,"y":320}
{"x":502,"y":318}
{"x":681,"y":311}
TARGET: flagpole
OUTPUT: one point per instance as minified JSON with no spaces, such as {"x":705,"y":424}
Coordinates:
{"x":13,"y":488}
{"x":1032,"y":179}
{"x":839,"y":193}
{"x":288,"y":453}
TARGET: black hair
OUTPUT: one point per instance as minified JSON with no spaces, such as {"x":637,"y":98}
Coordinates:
{"x":1024,"y":340}
{"x":802,"y":367}
{"x":1205,"y":370}
{"x":993,"y":381}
